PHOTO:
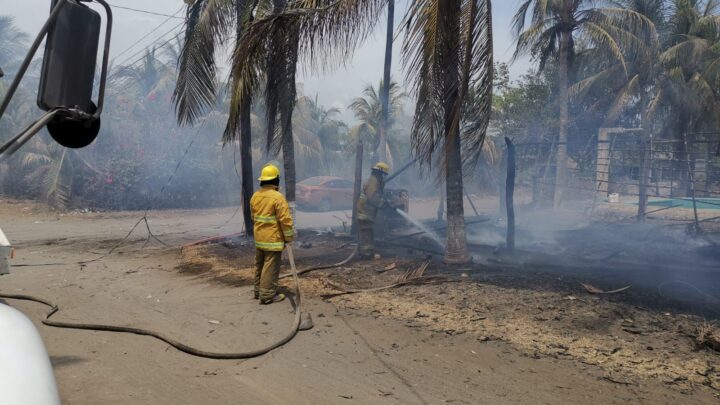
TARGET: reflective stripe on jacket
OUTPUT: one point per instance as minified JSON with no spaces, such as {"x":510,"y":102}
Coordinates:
{"x":370,"y":199}
{"x":273,"y":222}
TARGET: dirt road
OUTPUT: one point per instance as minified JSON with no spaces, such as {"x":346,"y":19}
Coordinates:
{"x":352,"y":355}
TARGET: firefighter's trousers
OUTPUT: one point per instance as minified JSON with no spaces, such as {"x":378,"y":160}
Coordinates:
{"x":267,"y":272}
{"x":366,"y":238}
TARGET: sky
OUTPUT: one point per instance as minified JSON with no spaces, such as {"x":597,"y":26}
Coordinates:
{"x":336,"y":89}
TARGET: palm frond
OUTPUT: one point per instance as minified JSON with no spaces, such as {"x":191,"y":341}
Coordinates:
{"x":621,"y":100}
{"x":208,"y":25}
{"x":478,"y":69}
{"x":56,"y":182}
{"x":581,"y":89}
{"x":31,"y":159}
{"x":318,"y":32}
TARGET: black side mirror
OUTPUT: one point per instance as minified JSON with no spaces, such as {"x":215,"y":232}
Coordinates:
{"x":68,"y":74}
{"x":67,"y":77}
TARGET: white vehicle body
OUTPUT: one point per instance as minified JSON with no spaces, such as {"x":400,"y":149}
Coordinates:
{"x":26,"y":375}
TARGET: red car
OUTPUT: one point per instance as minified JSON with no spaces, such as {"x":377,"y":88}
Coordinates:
{"x":325,"y":193}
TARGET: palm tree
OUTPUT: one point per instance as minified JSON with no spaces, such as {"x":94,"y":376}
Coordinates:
{"x":12,"y":43}
{"x":370,"y":112}
{"x":385,"y":92}
{"x":209,"y":24}
{"x":449,"y":44}
{"x":671,"y":70}
{"x":12,"y":47}
{"x":152,"y":77}
{"x":51,"y":171}
{"x":555,"y":26}
{"x":691,"y":60}
{"x":316,"y":133}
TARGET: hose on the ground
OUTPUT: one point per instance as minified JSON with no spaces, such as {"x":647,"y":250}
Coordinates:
{"x":328,"y":266}
{"x":172,"y":342}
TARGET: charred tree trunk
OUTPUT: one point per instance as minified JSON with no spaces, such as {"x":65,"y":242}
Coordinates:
{"x":385,"y":89}
{"x":246,"y":165}
{"x":358,"y":185}
{"x":561,"y":157}
{"x":502,"y":186}
{"x":509,"y":194}
{"x":644,"y":178}
{"x":456,"y":243}
{"x":287,"y":105}
{"x":440,"y":214}
{"x":288,"y":146}
{"x":281,"y":61}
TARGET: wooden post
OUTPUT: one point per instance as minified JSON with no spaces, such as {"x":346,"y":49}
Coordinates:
{"x":472,"y":204}
{"x":441,"y":205}
{"x":692,"y":184}
{"x":603,"y":163}
{"x":358,"y":185}
{"x":644,"y":174}
{"x":501,"y":183}
{"x":509,"y":192}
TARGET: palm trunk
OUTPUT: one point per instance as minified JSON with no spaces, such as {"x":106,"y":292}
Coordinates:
{"x":456,"y":244}
{"x":645,"y":160}
{"x":288,"y":150}
{"x":284,"y":56}
{"x":287,"y":105}
{"x":246,"y":164}
{"x":385,"y":89}
{"x":561,"y":157}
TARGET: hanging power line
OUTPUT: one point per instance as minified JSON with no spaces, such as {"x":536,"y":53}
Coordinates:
{"x":146,"y":12}
{"x":150,"y":33}
{"x":124,"y":64}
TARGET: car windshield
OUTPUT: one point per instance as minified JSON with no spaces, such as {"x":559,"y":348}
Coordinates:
{"x":313,"y":181}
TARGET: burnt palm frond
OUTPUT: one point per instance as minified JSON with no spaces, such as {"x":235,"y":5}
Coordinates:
{"x":478,"y":71}
{"x":320,"y":33}
{"x":208,"y":24}
{"x":428,"y":59}
{"x":446,"y":51}
{"x":240,"y":93}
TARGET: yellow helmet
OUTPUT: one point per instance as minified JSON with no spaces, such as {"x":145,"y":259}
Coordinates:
{"x":269,"y":172}
{"x":382,"y":167}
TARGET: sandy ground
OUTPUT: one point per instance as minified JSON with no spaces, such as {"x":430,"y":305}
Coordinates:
{"x":398,"y":347}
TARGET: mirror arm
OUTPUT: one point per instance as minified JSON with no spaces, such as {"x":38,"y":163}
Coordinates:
{"x":106,"y":58}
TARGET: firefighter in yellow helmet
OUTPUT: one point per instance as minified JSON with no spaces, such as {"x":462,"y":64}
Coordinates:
{"x":273,"y":226}
{"x":371,"y":199}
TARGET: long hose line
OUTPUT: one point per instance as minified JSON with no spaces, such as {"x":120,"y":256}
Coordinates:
{"x":325,"y":267}
{"x":172,"y":342}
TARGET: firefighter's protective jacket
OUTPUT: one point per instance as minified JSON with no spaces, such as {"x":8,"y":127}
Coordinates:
{"x":273,"y":221}
{"x":371,"y":198}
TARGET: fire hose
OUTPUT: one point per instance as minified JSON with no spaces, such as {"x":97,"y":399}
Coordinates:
{"x":324,"y":267}
{"x":296,"y":326}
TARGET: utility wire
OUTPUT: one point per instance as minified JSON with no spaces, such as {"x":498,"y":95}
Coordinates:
{"x":146,"y":11}
{"x":148,"y":34}
{"x":124,"y":64}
